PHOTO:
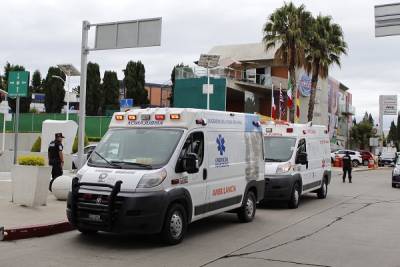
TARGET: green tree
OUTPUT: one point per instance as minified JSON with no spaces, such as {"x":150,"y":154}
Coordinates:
{"x":182,"y":70}
{"x":94,"y":94}
{"x":361,"y":132}
{"x":392,"y":135}
{"x":371,"y":119}
{"x":111,"y":90}
{"x":325,"y":46}
{"x":37,"y":82}
{"x":287,"y":27}
{"x":134,"y":81}
{"x":54,"y":91}
{"x":24,"y":102}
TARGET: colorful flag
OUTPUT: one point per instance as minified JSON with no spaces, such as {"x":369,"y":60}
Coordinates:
{"x":282,"y":106}
{"x":297,"y":117}
{"x":289,"y":94}
{"x":273,"y":106}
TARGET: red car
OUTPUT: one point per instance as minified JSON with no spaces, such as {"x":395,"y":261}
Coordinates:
{"x":366,"y":156}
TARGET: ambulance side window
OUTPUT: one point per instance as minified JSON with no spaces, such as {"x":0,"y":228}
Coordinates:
{"x":301,"y":147}
{"x":193,"y":144}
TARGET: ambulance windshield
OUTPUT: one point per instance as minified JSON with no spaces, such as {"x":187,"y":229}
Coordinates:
{"x":135,"y":148}
{"x":278,"y":149}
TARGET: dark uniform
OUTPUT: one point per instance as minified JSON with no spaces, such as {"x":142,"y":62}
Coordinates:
{"x":347,"y":166}
{"x":55,"y":147}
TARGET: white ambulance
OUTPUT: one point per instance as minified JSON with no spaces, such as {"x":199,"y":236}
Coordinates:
{"x":297,"y":161}
{"x":157,"y":170}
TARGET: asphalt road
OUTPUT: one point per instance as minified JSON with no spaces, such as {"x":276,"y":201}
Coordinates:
{"x":357,"y":225}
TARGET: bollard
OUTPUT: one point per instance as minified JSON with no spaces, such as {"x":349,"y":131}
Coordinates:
{"x":371,"y":164}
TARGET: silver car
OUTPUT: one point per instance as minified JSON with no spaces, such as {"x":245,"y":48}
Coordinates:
{"x":86,"y":151}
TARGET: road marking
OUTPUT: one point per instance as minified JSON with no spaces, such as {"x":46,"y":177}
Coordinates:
{"x":5,"y":180}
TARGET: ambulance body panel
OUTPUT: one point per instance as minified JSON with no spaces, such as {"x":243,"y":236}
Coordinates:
{"x":142,"y":165}
{"x":297,"y":161}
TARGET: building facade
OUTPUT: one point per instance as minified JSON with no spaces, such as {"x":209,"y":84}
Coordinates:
{"x":248,"y":80}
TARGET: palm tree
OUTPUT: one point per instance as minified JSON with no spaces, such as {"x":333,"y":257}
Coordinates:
{"x":325,"y":47}
{"x":287,"y":27}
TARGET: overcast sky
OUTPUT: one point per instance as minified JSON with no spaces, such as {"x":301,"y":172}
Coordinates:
{"x":39,"y":34}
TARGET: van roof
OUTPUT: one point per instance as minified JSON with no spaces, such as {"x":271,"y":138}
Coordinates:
{"x":293,"y":129}
{"x":184,"y":118}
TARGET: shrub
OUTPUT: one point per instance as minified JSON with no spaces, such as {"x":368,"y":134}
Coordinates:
{"x":94,"y":139}
{"x":36,"y":146}
{"x":31,"y":160}
{"x":75,"y":145}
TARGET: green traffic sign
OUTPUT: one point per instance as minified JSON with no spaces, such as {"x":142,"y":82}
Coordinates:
{"x":18,"y":82}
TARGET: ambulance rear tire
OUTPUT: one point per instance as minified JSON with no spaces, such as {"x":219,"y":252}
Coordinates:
{"x":175,"y":225}
{"x":295,"y":197}
{"x":247,"y":211}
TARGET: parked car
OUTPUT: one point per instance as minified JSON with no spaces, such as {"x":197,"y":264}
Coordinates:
{"x":396,"y":175}
{"x":366,"y":157}
{"x":387,"y":158}
{"x":86,"y":151}
{"x":355,"y":156}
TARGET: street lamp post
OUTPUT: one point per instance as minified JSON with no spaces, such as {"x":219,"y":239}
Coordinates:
{"x":3,"y":142}
{"x":69,"y":70}
{"x":208,"y":62}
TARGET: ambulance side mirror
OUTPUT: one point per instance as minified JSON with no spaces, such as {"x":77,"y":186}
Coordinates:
{"x":190,"y":163}
{"x":302,"y":158}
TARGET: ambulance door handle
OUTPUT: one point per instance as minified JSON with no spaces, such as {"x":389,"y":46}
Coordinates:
{"x":204,"y":174}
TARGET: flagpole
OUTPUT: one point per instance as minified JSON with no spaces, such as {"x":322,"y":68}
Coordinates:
{"x":272,"y":99}
{"x":280,"y":95}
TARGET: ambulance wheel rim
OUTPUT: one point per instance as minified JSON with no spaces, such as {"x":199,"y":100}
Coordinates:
{"x":296,"y":196}
{"x":324,"y":189}
{"x":249,"y":207}
{"x":176,"y":224}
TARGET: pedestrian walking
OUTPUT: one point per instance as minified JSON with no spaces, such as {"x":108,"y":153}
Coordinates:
{"x":56,"y":157}
{"x":347,"y":166}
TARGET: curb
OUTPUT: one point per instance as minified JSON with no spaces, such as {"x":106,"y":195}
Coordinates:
{"x":39,"y":230}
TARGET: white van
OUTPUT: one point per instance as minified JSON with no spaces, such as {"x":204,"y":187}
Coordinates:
{"x":157,"y":170}
{"x":297,"y":161}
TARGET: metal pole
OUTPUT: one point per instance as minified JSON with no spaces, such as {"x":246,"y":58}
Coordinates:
{"x":4,"y":133}
{"x":67,"y":118}
{"x":208,"y":89}
{"x":16,"y":129}
{"x":82,"y":96}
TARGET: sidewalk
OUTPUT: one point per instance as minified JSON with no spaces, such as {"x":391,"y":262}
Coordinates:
{"x":20,"y":218}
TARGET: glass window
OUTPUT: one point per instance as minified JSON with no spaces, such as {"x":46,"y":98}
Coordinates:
{"x":136,"y":148}
{"x":193,"y":144}
{"x":278,"y":149}
{"x":301,"y":147}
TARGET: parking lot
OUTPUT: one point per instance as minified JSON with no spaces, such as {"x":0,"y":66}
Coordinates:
{"x":357,"y":225}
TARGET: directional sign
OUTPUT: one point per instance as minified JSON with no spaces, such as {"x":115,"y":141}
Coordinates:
{"x":126,"y":103}
{"x":18,"y":82}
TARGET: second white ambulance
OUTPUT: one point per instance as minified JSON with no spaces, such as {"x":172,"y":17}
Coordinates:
{"x":297,"y":161}
{"x":157,"y":170}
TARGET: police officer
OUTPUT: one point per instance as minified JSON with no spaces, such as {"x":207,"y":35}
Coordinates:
{"x":56,"y":158}
{"x":347,"y":166}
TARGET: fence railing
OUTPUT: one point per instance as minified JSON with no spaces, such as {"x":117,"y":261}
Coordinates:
{"x":96,"y":126}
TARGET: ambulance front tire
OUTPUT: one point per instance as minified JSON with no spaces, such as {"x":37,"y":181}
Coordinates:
{"x":247,"y":211}
{"x":323,"y":191}
{"x":294,"y":197}
{"x":175,"y":224}
{"x":87,"y":231}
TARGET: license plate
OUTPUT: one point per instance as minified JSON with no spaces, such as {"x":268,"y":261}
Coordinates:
{"x":94,"y":217}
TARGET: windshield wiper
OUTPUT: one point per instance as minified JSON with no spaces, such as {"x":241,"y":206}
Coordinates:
{"x":109,"y":163}
{"x":272,"y":160}
{"x":148,"y":166}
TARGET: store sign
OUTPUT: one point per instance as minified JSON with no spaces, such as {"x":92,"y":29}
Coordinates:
{"x":388,"y":104}
{"x":305,"y":85}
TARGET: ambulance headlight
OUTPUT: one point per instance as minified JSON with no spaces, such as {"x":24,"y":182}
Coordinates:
{"x":152,"y":179}
{"x":283,"y":168}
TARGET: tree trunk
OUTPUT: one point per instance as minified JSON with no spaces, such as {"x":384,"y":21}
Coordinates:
{"x":314,"y":82}
{"x":292,"y":77}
